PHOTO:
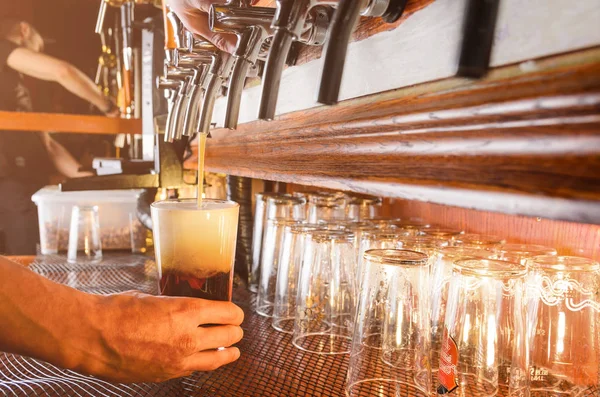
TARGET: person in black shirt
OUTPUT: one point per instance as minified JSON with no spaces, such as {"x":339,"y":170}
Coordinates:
{"x":28,"y":159}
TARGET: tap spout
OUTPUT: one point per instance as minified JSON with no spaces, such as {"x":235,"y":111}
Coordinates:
{"x":280,"y":48}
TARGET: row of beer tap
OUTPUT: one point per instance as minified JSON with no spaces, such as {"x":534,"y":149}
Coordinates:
{"x":196,"y":71}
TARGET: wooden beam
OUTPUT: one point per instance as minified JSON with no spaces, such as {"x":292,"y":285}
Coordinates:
{"x":72,"y":123}
{"x":516,"y":142}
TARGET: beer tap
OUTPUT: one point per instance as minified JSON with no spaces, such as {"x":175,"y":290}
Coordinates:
{"x":344,"y":20}
{"x":199,"y":59}
{"x":292,"y":20}
{"x":252,"y":26}
{"x":218,"y":72}
{"x":183,"y":76}
{"x":170,"y":88}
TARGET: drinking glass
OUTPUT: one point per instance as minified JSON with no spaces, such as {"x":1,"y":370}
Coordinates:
{"x":483,"y":241}
{"x":195,"y":247}
{"x":260,"y":215}
{"x":521,"y":252}
{"x":478,"y":342}
{"x":84,"y":235}
{"x":296,"y":247}
{"x":442,"y":261}
{"x":269,"y":268}
{"x":425,"y":244}
{"x":390,"y":348}
{"x":563,"y":303}
{"x":325,"y":208}
{"x":363,"y":207}
{"x":326,"y":295}
{"x":447,"y":234}
{"x":377,"y":239}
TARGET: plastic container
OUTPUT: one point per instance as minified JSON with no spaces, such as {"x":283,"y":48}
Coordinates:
{"x":119,"y":227}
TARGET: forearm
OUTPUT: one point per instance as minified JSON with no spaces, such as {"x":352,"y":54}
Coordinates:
{"x":81,"y":85}
{"x":64,"y":162}
{"x":42,"y":319}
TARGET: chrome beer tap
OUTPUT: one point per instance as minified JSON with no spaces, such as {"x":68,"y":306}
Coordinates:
{"x":199,"y":59}
{"x":219,"y":70}
{"x":252,"y":26}
{"x":294,"y":20}
{"x":183,"y":75}
{"x":344,"y":20}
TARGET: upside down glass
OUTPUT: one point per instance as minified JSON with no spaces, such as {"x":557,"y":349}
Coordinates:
{"x":269,"y":268}
{"x":442,"y":262}
{"x":390,"y":348}
{"x":363,"y":207}
{"x":195,"y":247}
{"x":521,"y":252}
{"x":563,"y":303}
{"x":326,"y":295}
{"x":297,"y":245}
{"x":483,"y":241}
{"x":260,"y":214}
{"x":479,"y":328}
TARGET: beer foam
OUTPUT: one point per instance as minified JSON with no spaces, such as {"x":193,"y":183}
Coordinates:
{"x":198,"y":242}
{"x":189,"y":205}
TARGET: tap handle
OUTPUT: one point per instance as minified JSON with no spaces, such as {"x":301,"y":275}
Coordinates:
{"x":478,"y":37}
{"x":169,"y":29}
{"x":101,"y":14}
{"x":343,"y":22}
{"x":280,"y":48}
{"x":344,"y":19}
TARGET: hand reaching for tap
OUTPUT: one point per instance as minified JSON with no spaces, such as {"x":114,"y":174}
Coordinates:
{"x":194,"y":16}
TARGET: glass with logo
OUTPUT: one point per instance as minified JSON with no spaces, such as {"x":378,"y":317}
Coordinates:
{"x":326,"y":295}
{"x":390,"y":349}
{"x":478,"y":342}
{"x":442,"y":262}
{"x":563,"y":303}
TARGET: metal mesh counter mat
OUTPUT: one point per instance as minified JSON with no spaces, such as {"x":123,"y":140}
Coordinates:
{"x":270,"y":366}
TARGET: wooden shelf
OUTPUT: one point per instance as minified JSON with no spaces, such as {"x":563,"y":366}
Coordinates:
{"x":72,"y":123}
{"x":517,"y":142}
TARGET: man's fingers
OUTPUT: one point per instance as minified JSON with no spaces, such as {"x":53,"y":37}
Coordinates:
{"x":211,"y":360}
{"x":215,"y":312}
{"x":219,"y":336}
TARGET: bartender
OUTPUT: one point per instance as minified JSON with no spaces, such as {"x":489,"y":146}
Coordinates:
{"x":128,"y":337}
{"x":28,"y":159}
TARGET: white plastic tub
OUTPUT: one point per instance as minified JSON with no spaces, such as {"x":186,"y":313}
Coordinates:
{"x":119,"y":226}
